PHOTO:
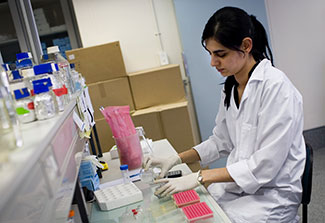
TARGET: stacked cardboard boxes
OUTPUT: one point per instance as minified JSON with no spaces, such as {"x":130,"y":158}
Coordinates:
{"x":161,"y":106}
{"x":156,"y":96}
{"x":104,"y":71}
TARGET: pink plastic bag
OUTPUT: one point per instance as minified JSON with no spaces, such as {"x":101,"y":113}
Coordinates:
{"x":125,"y":135}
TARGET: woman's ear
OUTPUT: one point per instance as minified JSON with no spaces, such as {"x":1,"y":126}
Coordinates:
{"x":247,"y":45}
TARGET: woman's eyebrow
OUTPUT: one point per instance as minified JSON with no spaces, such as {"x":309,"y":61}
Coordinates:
{"x":217,"y":51}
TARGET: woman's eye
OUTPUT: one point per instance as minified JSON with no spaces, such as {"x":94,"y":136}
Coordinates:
{"x":221,"y":55}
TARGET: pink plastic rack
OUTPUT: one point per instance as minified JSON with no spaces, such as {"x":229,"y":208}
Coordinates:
{"x":186,"y":198}
{"x":197,"y":212}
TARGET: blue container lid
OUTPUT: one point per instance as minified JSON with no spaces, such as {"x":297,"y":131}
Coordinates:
{"x":124,"y":167}
{"x":40,"y":88}
{"x":21,"y":93}
{"x":46,"y":68}
{"x":16,"y":75}
{"x":45,"y":57}
{"x":24,"y":63}
{"x":46,"y":81}
{"x":5,"y":66}
{"x":23,"y":55}
{"x":42,"y":85}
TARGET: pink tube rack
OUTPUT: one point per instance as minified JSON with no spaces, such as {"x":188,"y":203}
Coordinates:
{"x":184,"y":198}
{"x":197,"y":212}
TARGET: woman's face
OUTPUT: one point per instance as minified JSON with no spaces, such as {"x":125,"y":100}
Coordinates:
{"x":228,"y":62}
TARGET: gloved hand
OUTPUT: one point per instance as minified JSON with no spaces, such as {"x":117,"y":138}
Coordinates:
{"x":175,"y":185}
{"x":165,"y":164}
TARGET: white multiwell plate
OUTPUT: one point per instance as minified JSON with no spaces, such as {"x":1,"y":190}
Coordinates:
{"x":117,"y":196}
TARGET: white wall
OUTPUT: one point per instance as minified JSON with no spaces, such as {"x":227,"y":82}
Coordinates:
{"x":132,"y":22}
{"x":298,"y":39}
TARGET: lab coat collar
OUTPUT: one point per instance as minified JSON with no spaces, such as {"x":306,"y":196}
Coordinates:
{"x":257,"y":75}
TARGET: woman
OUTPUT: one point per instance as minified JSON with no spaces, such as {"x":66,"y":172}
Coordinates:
{"x":259,"y":126}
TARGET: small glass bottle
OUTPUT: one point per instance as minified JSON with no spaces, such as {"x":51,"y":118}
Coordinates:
{"x":24,"y":105}
{"x":125,"y":173}
{"x":44,"y":101}
{"x":50,"y":70}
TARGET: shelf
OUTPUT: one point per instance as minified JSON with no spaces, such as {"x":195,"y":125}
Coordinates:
{"x":40,"y":177}
{"x":6,"y":42}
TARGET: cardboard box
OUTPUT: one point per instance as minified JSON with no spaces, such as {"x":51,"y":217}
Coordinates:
{"x":149,"y":119}
{"x":105,"y":135}
{"x":114,"y":92}
{"x":175,"y":121}
{"x":170,"y":121}
{"x":157,"y":86}
{"x":98,"y":63}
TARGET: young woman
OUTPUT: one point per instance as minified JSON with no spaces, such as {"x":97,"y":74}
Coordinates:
{"x":259,"y":126}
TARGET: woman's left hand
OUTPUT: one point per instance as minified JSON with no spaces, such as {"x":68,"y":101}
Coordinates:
{"x":175,"y":185}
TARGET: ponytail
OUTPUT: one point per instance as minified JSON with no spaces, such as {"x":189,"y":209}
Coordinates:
{"x":229,"y":26}
{"x":261,"y":48}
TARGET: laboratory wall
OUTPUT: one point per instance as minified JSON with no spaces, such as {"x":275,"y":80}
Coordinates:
{"x":143,"y":27}
{"x":298,"y":37}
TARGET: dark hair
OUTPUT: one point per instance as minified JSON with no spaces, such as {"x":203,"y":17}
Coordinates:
{"x":229,"y":26}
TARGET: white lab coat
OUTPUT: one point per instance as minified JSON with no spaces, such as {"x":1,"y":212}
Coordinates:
{"x":266,"y":149}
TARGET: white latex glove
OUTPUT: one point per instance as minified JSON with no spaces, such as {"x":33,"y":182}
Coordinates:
{"x":165,"y":164}
{"x":175,"y":185}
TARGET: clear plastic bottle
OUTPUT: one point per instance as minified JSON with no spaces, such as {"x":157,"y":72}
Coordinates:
{"x":76,"y":78}
{"x":51,"y":70}
{"x":9,"y":125}
{"x":64,"y":66}
{"x":44,"y":101}
{"x":125,"y":173}
{"x":24,"y":105}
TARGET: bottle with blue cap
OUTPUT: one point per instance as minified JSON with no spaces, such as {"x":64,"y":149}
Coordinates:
{"x":64,"y":66}
{"x":17,"y":82}
{"x":50,"y":70}
{"x":125,"y":173}
{"x":24,"y":105}
{"x":25,"y":64}
{"x":45,"y":103}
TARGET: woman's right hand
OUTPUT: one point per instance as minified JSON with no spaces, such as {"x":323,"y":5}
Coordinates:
{"x":165,"y":164}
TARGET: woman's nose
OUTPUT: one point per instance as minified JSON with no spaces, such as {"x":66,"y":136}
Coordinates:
{"x":214,"y":61}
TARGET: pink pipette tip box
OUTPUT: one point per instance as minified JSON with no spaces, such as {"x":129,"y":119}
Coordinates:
{"x":186,"y":198}
{"x":197,"y":212}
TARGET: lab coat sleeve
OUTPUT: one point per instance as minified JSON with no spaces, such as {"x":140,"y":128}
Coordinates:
{"x":218,"y":144}
{"x":274,"y":136}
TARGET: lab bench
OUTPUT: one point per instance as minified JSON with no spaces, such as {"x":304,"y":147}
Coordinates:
{"x":38,"y":181}
{"x":161,"y":210}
